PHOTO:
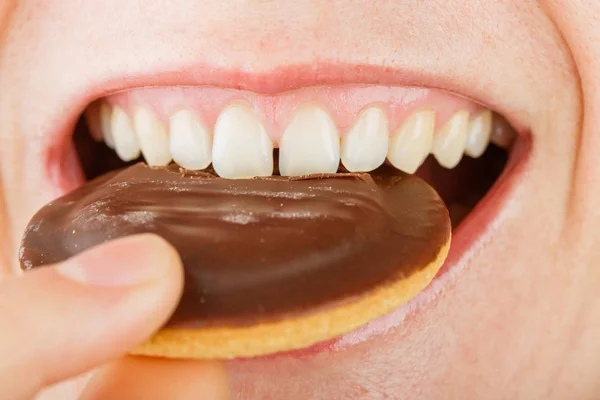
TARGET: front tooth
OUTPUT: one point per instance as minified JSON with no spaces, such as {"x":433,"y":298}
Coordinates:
{"x":365,"y":146}
{"x":241,"y":146}
{"x":480,"y":130}
{"x":122,"y":131}
{"x":449,"y":143}
{"x":412,"y":143}
{"x":105,"y":124}
{"x":310,"y":144}
{"x":191,"y":143}
{"x":152,"y":137}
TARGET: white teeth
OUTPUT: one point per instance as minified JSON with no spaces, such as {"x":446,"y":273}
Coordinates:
{"x":92,"y":119}
{"x":152,"y":137}
{"x":449,"y":143}
{"x":365,"y":146}
{"x":479,"y":132}
{"x":310,"y":144}
{"x":122,"y":131}
{"x":106,"y":124}
{"x":191,"y":143}
{"x":412,"y":143}
{"x":241,"y":146}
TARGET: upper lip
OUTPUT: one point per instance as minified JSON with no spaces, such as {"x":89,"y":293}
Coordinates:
{"x":280,"y":79}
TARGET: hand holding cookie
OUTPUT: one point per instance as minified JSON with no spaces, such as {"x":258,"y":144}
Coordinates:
{"x":89,"y":311}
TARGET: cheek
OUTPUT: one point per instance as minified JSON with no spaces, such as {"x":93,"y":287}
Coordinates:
{"x":468,"y":338}
{"x":496,"y":324}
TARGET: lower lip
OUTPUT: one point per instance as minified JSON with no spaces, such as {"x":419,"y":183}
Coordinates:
{"x":477,"y":228}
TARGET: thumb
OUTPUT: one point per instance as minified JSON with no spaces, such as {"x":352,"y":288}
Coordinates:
{"x":60,"y":321}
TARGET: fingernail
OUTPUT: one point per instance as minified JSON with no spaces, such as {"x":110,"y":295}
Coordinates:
{"x":129,"y":261}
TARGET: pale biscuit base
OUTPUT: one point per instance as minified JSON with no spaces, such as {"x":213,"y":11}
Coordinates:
{"x":292,"y":333}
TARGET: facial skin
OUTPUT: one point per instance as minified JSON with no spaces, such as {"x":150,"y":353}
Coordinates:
{"x":519,"y":315}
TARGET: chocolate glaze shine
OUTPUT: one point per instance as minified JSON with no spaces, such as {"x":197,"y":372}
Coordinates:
{"x":256,"y":249}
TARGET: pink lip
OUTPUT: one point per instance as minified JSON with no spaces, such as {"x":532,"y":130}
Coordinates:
{"x":286,"y":78}
{"x":276,"y":80}
{"x":474,"y":231}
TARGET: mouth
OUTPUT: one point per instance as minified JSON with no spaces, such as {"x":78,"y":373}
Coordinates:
{"x":459,"y":147}
{"x":467,"y":152}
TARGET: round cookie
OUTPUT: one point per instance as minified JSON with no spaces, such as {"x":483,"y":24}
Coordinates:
{"x":271,"y":264}
{"x":291,"y":333}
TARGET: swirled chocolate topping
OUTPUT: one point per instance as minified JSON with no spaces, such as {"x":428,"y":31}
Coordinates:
{"x":254,"y":249}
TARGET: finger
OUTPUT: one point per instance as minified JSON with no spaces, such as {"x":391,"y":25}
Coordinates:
{"x":152,"y":378}
{"x":60,"y":321}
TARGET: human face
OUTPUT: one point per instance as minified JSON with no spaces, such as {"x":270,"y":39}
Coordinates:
{"x":514,"y":313}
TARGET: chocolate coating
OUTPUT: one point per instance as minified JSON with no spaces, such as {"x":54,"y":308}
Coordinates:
{"x":254,"y":249}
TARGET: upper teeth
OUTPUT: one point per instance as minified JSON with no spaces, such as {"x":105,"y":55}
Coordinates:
{"x":106,"y":124}
{"x":310,"y":144}
{"x":153,"y":138}
{"x":365,"y":146}
{"x":123,"y":134}
{"x":239,"y":145}
{"x":449,"y":143}
{"x":191,"y":143}
{"x":412,"y":143}
{"x":480,"y":130}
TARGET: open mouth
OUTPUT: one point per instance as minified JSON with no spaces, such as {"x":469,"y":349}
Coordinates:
{"x":459,"y":147}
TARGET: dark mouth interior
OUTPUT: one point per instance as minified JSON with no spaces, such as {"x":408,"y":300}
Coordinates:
{"x":461,"y":188}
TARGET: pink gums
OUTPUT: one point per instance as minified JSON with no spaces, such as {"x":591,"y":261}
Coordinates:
{"x":343,"y":103}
